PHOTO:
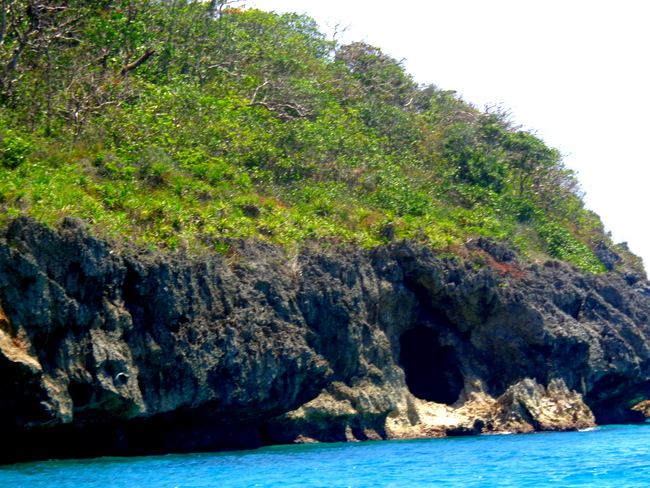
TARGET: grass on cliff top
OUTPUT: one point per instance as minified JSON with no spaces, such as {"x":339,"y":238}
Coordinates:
{"x":155,"y":201}
{"x":249,"y":124}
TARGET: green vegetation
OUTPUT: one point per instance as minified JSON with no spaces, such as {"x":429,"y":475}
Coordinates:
{"x":243,"y":123}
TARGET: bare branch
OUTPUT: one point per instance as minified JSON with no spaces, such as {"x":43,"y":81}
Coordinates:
{"x":130,"y":67}
{"x":283,"y":110}
{"x":254,"y":97}
{"x":217,"y":66}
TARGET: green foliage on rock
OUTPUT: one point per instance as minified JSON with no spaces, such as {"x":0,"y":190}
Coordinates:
{"x":183,"y":124}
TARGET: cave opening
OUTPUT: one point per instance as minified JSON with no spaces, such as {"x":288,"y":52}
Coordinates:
{"x":431,"y":369}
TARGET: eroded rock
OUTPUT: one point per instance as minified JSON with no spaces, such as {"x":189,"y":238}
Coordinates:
{"x":108,"y":351}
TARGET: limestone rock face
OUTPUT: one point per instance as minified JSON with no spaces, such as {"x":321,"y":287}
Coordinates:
{"x":113,"y":351}
{"x":528,"y":406}
{"x":643,"y":407}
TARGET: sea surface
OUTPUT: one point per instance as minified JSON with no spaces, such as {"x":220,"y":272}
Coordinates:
{"x":607,"y":456}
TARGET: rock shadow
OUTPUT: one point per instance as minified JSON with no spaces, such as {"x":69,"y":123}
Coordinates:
{"x":431,"y":369}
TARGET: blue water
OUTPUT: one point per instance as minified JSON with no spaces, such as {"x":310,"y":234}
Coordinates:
{"x":610,"y":456}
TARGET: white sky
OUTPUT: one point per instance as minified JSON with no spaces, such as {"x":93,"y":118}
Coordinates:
{"x":576,"y":71}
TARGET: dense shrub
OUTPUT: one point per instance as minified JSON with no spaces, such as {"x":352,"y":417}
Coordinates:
{"x":181,"y":124}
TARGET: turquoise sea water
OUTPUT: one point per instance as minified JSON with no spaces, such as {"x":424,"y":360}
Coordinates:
{"x":608,"y":456}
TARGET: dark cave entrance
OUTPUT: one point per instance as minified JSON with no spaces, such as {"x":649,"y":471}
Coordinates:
{"x":431,"y":370}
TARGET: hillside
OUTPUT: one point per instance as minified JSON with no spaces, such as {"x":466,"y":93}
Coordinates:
{"x":182,"y":125}
{"x":219,"y":229}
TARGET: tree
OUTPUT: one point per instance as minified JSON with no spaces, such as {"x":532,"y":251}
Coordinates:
{"x":31,"y":26}
{"x":530,"y":160}
{"x":379,"y":75}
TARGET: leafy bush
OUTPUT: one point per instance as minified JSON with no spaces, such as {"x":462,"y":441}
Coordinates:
{"x":13,"y":149}
{"x":561,"y":244}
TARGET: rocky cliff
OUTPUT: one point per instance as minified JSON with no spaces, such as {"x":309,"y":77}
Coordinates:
{"x":107,"y":350}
